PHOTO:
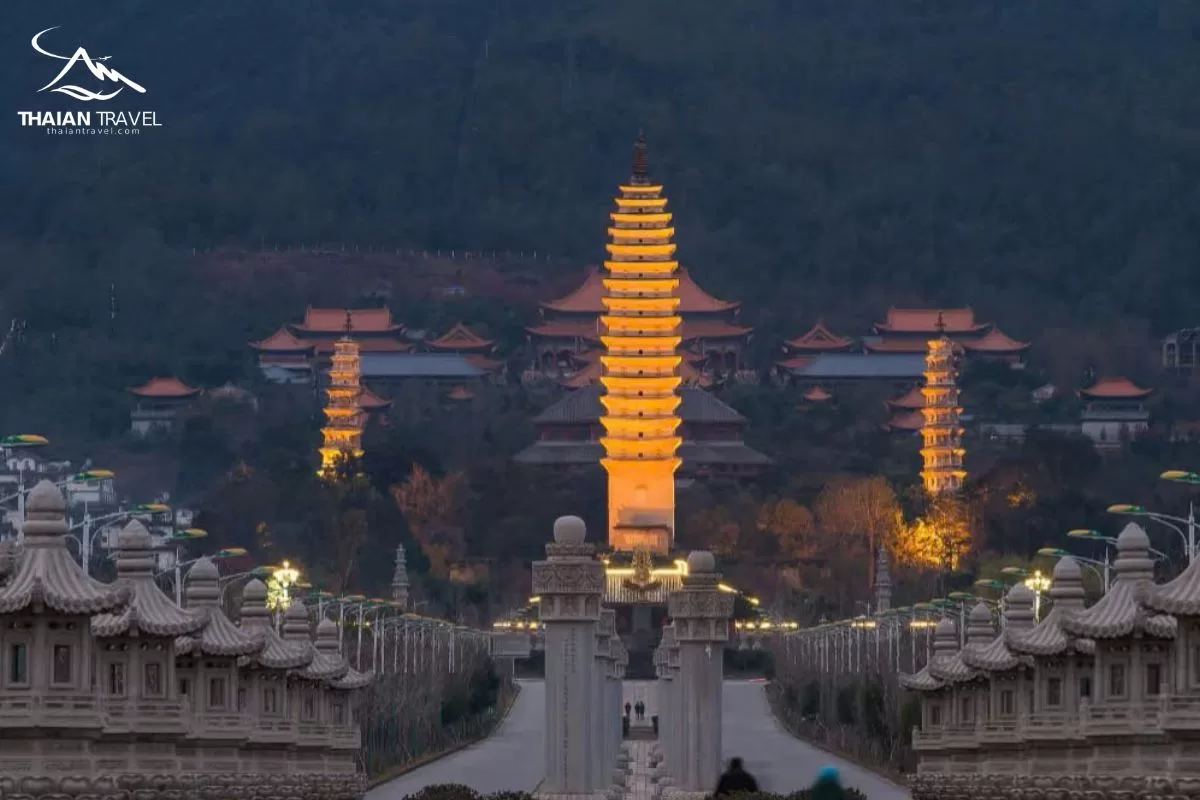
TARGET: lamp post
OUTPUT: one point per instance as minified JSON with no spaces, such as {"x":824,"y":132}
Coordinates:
{"x":1103,"y":569}
{"x":1172,"y":522}
{"x":17,"y":442}
{"x":87,"y":536}
{"x":1034,"y":581}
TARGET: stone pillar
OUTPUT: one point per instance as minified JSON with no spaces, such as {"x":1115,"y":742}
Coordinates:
{"x":602,"y":756}
{"x":701,"y":614}
{"x":670,"y":723}
{"x":570,"y":583}
{"x":400,"y":579}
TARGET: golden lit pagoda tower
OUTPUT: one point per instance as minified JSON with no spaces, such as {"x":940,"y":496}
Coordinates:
{"x":641,"y":336}
{"x":942,"y":451}
{"x":343,"y":433}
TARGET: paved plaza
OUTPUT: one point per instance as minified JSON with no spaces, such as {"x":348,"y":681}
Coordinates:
{"x":512,"y":758}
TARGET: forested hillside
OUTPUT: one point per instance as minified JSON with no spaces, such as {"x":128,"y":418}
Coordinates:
{"x":1034,"y":158}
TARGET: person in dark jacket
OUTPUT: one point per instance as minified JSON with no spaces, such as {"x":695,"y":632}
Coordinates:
{"x":828,"y":785}
{"x":735,"y":780}
{"x":628,"y":708}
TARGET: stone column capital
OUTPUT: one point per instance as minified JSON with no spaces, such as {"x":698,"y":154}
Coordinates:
{"x":570,"y":582}
{"x":700,"y":611}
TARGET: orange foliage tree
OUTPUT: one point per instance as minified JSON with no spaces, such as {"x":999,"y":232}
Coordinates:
{"x":792,"y":527}
{"x":940,"y":538}
{"x":859,"y":510}
{"x":431,"y":507}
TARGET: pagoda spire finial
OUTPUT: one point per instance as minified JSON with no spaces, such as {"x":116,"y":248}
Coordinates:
{"x":350,"y":322}
{"x":641,"y":159}
{"x":940,"y":325}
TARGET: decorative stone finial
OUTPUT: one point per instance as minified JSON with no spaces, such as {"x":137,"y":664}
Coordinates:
{"x":254,"y":605}
{"x":979,"y":624}
{"x":641,"y":159}
{"x":203,"y":588}
{"x":1018,"y":608}
{"x":945,"y":637}
{"x":45,"y":517}
{"x":295,"y":623}
{"x":135,"y":559}
{"x":701,"y":561}
{"x":1133,"y":555}
{"x":328,"y":638}
{"x":569,"y":530}
{"x":1067,"y":588}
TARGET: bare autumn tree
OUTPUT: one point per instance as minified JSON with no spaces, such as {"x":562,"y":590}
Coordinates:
{"x":430,"y":506}
{"x":864,"y":508}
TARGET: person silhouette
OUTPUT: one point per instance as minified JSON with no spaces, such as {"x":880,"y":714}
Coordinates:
{"x":628,"y":708}
{"x":735,"y":780}
{"x":828,"y":785}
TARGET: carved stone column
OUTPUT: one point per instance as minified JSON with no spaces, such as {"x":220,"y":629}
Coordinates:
{"x":570,"y":583}
{"x":602,"y":755}
{"x":670,"y":722}
{"x":701,"y":614}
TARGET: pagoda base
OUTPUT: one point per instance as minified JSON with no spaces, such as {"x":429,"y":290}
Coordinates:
{"x":655,"y":539}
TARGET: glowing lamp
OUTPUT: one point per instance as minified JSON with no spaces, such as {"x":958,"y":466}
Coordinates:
{"x":1053,"y":552}
{"x":1126,"y":508}
{"x":24,"y":440}
{"x":230,"y":552}
{"x":1018,"y":572}
{"x":1085,"y":533}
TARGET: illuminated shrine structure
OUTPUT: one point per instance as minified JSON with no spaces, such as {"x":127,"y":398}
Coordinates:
{"x":343,"y":412}
{"x":942,"y":450}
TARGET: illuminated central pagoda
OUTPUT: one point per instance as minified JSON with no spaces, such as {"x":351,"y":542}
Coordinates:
{"x":343,"y":412}
{"x":942,"y":451}
{"x":640,"y":331}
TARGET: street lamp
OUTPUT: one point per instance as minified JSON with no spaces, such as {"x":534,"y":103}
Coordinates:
{"x":1101,"y":568}
{"x":1034,"y":581}
{"x":279,"y":586}
{"x":1172,"y":522}
{"x":86,"y":535}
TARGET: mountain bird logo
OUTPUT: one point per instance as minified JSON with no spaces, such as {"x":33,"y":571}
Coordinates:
{"x":98,"y":69}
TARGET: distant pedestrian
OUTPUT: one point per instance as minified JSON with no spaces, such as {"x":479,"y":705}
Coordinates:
{"x":828,"y":785}
{"x":640,"y":710}
{"x":735,"y":780}
{"x":628,"y":708}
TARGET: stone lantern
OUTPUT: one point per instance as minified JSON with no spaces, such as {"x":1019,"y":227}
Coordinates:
{"x":342,"y":718}
{"x":1132,"y":667}
{"x":275,"y":731}
{"x":308,"y":690}
{"x":207,"y":667}
{"x":930,"y":740}
{"x":1009,"y":692}
{"x":1181,"y":710}
{"x":135,"y":664}
{"x":49,"y":711}
{"x":1062,"y":678}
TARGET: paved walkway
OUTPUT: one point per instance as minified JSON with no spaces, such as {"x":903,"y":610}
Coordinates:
{"x":510,"y":759}
{"x":781,"y":762}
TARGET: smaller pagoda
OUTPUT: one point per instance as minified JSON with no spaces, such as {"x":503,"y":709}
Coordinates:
{"x":344,"y":414}
{"x":1114,"y":410}
{"x":160,"y":401}
{"x":942,"y":450}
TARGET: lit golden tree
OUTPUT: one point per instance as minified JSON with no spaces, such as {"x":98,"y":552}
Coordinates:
{"x":430,"y":506}
{"x":939,"y":539}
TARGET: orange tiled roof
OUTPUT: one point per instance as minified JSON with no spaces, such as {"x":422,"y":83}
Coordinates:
{"x":586,"y":299}
{"x":1115,"y":388}
{"x":282,"y":341}
{"x":908,"y":421}
{"x":568,"y":329}
{"x":996,"y":341}
{"x":820,"y":338}
{"x":817,"y":395}
{"x":164,"y":387}
{"x":483,"y":362}
{"x":460,"y":337}
{"x":711,"y":329}
{"x":370,"y":401}
{"x":584,"y":377}
{"x":326,"y":346}
{"x":460,"y":393}
{"x":799,"y":362}
{"x":925,"y":320}
{"x":896,"y":346}
{"x":333,"y":320}
{"x":911,"y":400}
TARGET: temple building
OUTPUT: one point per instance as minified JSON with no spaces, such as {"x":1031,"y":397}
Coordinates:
{"x":1114,"y":410}
{"x":159,"y":404}
{"x":942,"y":431}
{"x":713,"y":434}
{"x":819,"y":339}
{"x":471,"y":346}
{"x":905,"y":411}
{"x":296,"y":352}
{"x":344,"y":415}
